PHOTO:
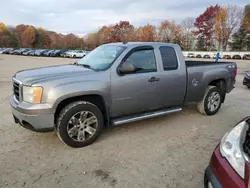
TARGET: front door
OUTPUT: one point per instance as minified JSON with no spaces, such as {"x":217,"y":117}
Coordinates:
{"x":140,"y":91}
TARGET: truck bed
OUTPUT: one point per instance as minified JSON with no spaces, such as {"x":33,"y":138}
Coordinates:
{"x":199,"y":74}
{"x":203,"y":63}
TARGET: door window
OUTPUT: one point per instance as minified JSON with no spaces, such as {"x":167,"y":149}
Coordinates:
{"x":143,"y":61}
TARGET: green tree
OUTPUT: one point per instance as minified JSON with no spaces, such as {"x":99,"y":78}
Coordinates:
{"x":200,"y":44}
{"x":7,"y":36}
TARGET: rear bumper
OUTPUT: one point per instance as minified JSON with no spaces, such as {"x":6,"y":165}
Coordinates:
{"x":35,"y":120}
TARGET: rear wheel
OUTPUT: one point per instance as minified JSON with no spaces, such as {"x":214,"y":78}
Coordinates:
{"x":79,"y":124}
{"x":211,"y":101}
{"x":74,"y":56}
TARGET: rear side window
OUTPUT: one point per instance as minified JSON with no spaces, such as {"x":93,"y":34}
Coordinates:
{"x":169,"y":58}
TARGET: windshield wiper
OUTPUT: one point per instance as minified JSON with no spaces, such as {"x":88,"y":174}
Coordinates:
{"x":84,"y":65}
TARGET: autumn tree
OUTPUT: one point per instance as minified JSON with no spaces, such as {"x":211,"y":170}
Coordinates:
{"x":56,"y":40}
{"x":91,"y":41}
{"x":164,"y":32}
{"x":246,"y":18}
{"x":71,"y":41}
{"x":225,"y":23}
{"x":170,"y":32}
{"x":3,"y":28}
{"x":204,"y":26}
{"x":188,"y":28}
{"x":28,"y":37}
{"x":4,"y":39}
{"x":43,"y":39}
{"x":124,"y":30}
{"x":120,"y":32}
{"x":101,"y":37}
{"x":146,"y":33}
{"x":7,"y":36}
{"x":19,"y":31}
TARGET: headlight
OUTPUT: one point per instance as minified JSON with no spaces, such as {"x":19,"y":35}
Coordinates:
{"x":231,"y":147}
{"x":248,"y":75}
{"x":32,"y":94}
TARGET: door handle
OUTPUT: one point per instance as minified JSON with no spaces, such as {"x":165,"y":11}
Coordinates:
{"x":154,"y":79}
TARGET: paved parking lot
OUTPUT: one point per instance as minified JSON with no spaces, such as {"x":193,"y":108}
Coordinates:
{"x":169,"y":151}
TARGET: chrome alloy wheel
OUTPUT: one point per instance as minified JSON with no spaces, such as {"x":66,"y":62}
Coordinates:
{"x":214,"y":101}
{"x":82,"y":126}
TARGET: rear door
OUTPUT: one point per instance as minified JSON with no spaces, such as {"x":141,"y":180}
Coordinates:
{"x":140,"y":91}
{"x":173,"y":77}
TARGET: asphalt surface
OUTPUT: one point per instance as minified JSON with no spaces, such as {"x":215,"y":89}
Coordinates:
{"x":169,"y":151}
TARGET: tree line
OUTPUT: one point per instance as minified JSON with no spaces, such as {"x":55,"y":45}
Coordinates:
{"x":217,"y":28}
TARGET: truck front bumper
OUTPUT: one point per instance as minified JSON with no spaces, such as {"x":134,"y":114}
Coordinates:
{"x":35,"y":117}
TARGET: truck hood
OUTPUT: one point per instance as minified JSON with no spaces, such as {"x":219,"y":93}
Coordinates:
{"x":33,"y":76}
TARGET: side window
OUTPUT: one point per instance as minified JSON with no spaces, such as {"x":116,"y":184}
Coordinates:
{"x":143,"y":61}
{"x":169,"y":58}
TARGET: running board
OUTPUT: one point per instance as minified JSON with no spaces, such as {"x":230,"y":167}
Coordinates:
{"x":147,"y":115}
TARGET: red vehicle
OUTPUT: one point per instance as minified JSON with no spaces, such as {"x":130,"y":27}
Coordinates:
{"x":230,"y":163}
{"x":226,"y":57}
{"x":246,"y":57}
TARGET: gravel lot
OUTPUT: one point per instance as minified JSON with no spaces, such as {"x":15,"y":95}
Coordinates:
{"x":169,"y":151}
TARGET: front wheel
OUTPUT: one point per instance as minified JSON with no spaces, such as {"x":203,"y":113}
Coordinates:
{"x":211,"y":101}
{"x":79,"y":124}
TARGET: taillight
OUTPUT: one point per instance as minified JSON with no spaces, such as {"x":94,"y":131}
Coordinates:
{"x":235,"y":72}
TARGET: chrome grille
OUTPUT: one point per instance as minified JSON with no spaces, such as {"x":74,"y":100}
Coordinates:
{"x":17,"y":89}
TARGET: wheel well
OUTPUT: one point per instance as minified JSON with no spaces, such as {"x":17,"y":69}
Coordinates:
{"x":94,"y":99}
{"x":222,"y":84}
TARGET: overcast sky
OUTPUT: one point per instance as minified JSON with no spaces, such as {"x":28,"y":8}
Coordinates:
{"x":83,"y":16}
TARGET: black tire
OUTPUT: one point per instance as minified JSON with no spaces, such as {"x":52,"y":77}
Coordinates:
{"x":65,"y":116}
{"x":203,"y":105}
{"x":74,"y":56}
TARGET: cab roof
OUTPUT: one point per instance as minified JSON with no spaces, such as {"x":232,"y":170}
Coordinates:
{"x":135,"y":44}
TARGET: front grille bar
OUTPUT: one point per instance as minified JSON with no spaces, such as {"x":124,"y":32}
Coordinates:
{"x":17,"y":90}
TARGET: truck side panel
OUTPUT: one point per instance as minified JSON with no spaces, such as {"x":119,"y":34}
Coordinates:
{"x":199,"y":77}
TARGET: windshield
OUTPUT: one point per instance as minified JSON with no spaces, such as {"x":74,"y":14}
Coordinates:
{"x":101,"y":57}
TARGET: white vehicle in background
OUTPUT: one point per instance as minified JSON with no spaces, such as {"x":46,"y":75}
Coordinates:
{"x":1,"y":50}
{"x":75,"y":54}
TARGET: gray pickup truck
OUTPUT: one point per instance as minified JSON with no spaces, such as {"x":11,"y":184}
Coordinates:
{"x":115,"y":84}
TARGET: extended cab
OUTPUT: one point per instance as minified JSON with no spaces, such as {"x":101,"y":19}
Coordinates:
{"x":115,"y":84}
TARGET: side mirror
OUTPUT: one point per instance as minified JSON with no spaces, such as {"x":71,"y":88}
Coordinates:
{"x":126,"y":68}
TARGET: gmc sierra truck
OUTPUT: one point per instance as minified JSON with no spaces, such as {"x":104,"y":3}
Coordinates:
{"x":114,"y":84}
